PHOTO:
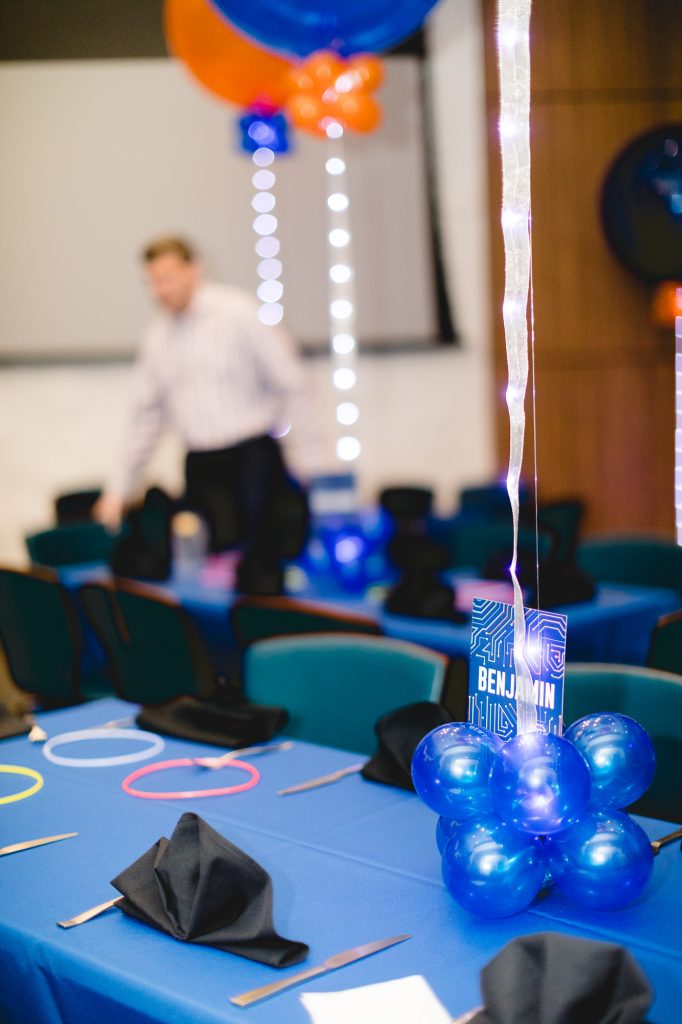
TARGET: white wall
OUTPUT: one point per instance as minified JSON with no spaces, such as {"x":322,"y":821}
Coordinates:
{"x":426,"y":417}
{"x":99,"y":156}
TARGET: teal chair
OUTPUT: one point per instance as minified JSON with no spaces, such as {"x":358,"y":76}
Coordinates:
{"x":153,"y":645}
{"x":652,"y":698}
{"x":665,"y":652}
{"x":66,"y":545}
{"x":641,"y":561}
{"x":472,"y":543}
{"x":41,"y":636}
{"x":336,"y":687}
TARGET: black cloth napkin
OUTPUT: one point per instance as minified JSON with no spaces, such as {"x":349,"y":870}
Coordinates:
{"x":399,"y":733}
{"x":143,"y":548}
{"x":200,"y":888}
{"x":221,"y":724}
{"x":548,"y":978}
{"x":10,"y":725}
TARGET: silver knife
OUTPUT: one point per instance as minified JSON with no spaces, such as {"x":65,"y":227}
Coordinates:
{"x":331,"y":964}
{"x":18,"y":847}
{"x":322,"y":780}
{"x":656,"y":844}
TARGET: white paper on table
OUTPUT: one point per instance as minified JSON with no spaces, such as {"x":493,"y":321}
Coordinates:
{"x":402,"y":1001}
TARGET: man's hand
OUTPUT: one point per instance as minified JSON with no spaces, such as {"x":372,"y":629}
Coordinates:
{"x":108,"y":511}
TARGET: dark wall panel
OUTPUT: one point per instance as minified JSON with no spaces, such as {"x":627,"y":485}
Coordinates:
{"x":80,"y":29}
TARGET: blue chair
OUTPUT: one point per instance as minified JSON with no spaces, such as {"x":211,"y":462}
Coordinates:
{"x":642,"y":561}
{"x":652,"y":698}
{"x":66,"y":545}
{"x":336,"y":687}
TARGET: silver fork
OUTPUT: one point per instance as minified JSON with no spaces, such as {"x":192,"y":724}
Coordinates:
{"x":223,"y":759}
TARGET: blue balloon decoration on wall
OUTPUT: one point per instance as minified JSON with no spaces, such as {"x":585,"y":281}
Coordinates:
{"x":347,"y":26}
{"x":451,"y":769}
{"x":540,"y":783}
{"x":604,"y":861}
{"x":491,"y":868}
{"x":620,"y":756}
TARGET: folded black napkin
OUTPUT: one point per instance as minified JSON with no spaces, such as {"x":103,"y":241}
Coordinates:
{"x":143,"y":548}
{"x":10,"y":725}
{"x":222,"y":724}
{"x":548,"y":978}
{"x":198,"y":887}
{"x":399,"y":733}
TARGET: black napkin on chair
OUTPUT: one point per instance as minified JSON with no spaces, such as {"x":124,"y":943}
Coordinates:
{"x":549,"y":978}
{"x":399,"y":733}
{"x":234,"y":724}
{"x":200,"y":888}
{"x":143,"y":548}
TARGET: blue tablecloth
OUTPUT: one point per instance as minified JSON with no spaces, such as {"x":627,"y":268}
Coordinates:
{"x":615,"y":627}
{"x":350,"y":863}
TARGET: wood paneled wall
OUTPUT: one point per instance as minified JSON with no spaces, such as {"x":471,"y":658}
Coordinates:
{"x":602,"y":73}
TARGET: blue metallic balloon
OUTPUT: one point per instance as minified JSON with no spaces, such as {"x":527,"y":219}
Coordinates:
{"x":348,"y":26}
{"x":540,"y":783}
{"x":620,"y":756}
{"x":491,"y":868}
{"x":445,"y":829}
{"x":604,"y":861}
{"x":263,"y":131}
{"x":451,"y":769}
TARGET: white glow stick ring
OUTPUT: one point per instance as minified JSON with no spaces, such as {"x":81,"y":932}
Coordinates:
{"x":156,"y":745}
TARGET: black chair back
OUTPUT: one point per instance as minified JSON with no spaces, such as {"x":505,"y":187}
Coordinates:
{"x":41,"y":636}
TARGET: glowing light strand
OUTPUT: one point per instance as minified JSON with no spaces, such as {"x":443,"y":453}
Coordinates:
{"x":341,"y":297}
{"x":270,"y":289}
{"x":514,"y":69}
{"x":678,"y":414}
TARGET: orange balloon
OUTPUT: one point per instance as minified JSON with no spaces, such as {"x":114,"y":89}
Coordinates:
{"x":325,"y":67}
{"x":667,"y":303}
{"x":367,"y":70}
{"x":359,"y":111}
{"x":301,"y":80}
{"x":222,"y":59}
{"x":306,"y":111}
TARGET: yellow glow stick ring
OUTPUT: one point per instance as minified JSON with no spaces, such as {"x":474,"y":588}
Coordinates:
{"x":15,"y":769}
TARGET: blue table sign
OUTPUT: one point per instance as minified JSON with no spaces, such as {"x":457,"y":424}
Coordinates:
{"x":492,"y":680}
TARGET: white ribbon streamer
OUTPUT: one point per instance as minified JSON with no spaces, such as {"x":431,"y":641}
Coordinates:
{"x":514,"y":68}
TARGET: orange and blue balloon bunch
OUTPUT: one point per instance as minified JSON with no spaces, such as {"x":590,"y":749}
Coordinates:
{"x":307,"y":62}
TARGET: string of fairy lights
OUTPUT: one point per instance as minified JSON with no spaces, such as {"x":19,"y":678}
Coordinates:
{"x":514,"y":66}
{"x":343,"y":341}
{"x":270,"y":290}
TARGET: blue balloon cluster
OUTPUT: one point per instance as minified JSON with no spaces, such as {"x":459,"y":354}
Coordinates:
{"x":539,"y":809}
{"x":351,"y":553}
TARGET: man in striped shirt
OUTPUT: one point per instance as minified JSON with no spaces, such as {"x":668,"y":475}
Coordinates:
{"x":223,"y":380}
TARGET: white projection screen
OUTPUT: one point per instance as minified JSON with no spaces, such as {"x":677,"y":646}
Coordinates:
{"x":100,"y":155}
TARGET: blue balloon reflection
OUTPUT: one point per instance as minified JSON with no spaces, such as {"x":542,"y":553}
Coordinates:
{"x":451,"y":769}
{"x":492,"y":869}
{"x":540,"y":783}
{"x":620,"y":756}
{"x":604,"y":861}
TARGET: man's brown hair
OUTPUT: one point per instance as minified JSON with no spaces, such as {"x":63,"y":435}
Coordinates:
{"x":169,"y":245}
